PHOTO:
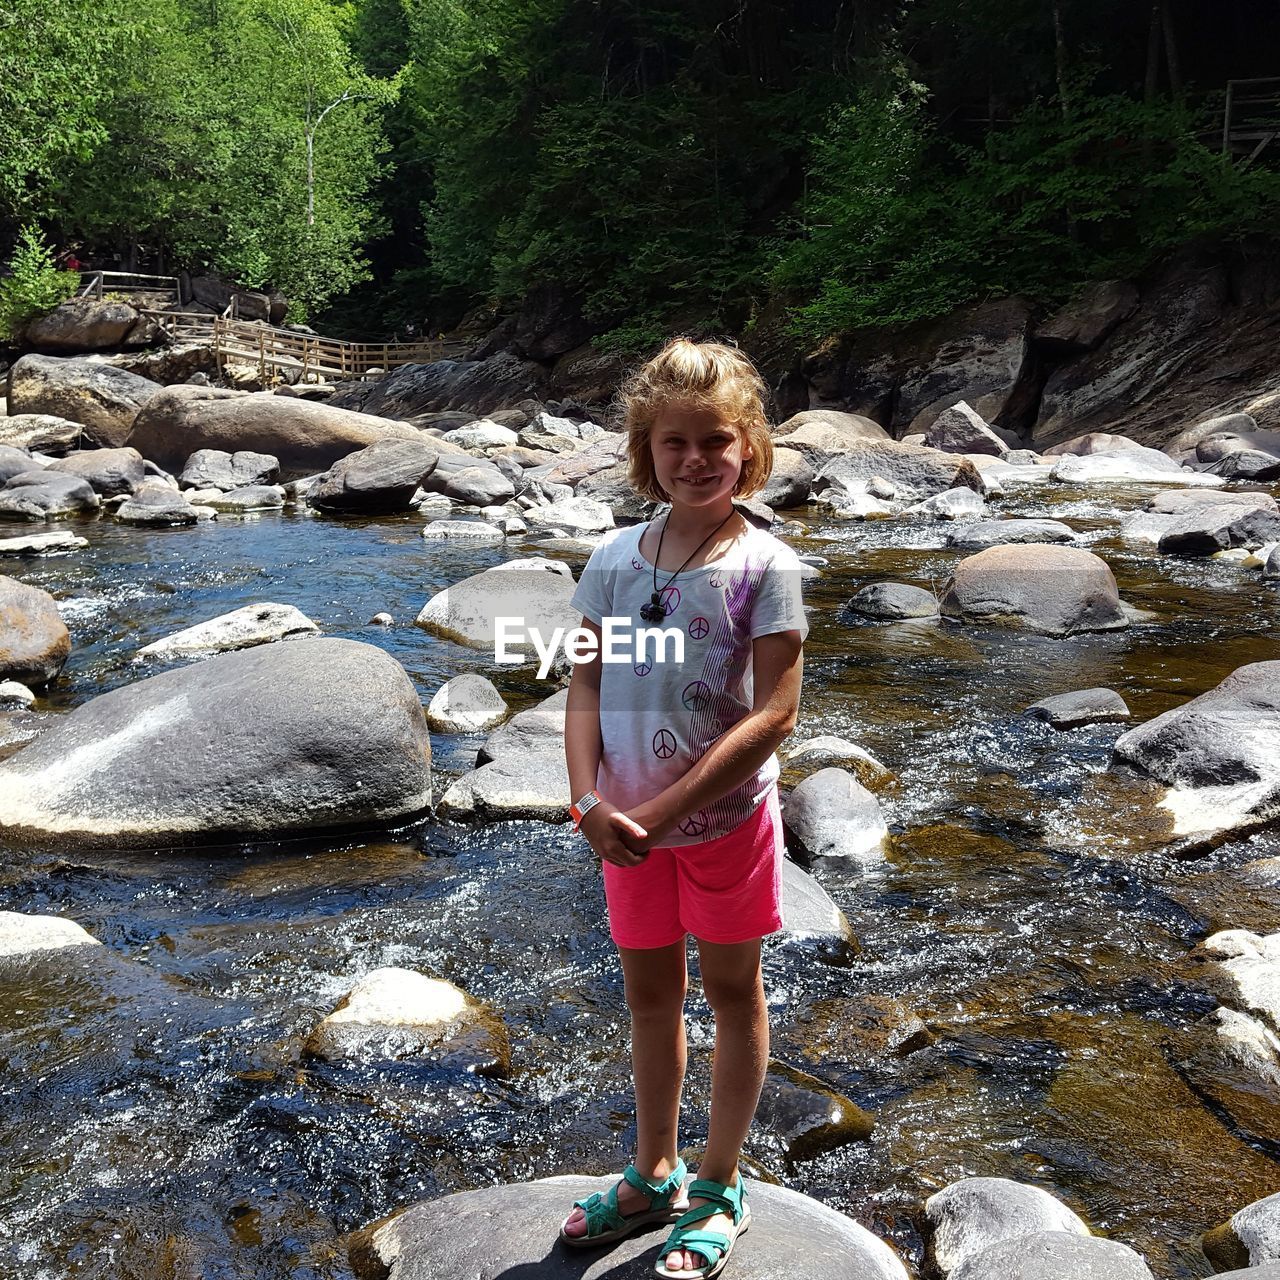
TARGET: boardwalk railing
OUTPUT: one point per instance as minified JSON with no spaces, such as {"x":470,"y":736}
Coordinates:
{"x":1250,"y":117}
{"x":95,"y":283}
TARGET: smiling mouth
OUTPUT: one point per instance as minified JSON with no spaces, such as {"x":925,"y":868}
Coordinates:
{"x":697,"y":480}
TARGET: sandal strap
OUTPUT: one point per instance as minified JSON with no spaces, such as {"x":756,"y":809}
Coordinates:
{"x":601,"y":1212}
{"x":726,"y":1199}
{"x":660,"y":1193}
{"x":712,"y":1245}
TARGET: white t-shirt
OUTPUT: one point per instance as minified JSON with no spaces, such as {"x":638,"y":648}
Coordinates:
{"x":658,"y":718}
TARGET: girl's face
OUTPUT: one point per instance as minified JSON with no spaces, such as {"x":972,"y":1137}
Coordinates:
{"x":697,"y":456}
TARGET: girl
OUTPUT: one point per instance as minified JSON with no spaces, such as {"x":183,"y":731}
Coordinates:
{"x":673,"y":769}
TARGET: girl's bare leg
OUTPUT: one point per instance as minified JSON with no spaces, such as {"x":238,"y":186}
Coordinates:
{"x":734,"y":987}
{"x":656,"y":981}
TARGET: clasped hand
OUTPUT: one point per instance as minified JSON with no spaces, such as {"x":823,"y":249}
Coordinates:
{"x":617,"y":837}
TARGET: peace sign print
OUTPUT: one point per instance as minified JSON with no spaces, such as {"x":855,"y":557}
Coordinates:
{"x":699,"y":627}
{"x":715,"y":580}
{"x":695,"y":824}
{"x":643,"y":668}
{"x":696,"y":695}
{"x":664,"y":744}
{"x":636,"y":562}
{"x":670,"y":600}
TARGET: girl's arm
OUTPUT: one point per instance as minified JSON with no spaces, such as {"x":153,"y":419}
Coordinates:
{"x":582,"y":749}
{"x":778,"y":665}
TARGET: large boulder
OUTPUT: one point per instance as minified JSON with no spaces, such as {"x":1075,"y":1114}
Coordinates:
{"x":1081,"y":324}
{"x":42,"y":431}
{"x":1202,"y":531}
{"x":914,"y":471}
{"x":381,"y":477}
{"x":790,"y":480}
{"x":973,"y":1214}
{"x":1128,"y":466}
{"x":509,"y":1231}
{"x":1054,"y":590}
{"x":1178,"y":501}
{"x":109,"y":472}
{"x":323,"y":736}
{"x":1219,"y":753}
{"x":13,"y":462}
{"x":818,"y":434}
{"x":832,"y":815}
{"x":103,"y":399}
{"x":217,"y":469}
{"x":43,"y":494}
{"x":961,"y":429}
{"x":1054,"y":1255}
{"x":478,"y":386}
{"x":1185,"y":446}
{"x":305,"y":437}
{"x":1092,"y":442}
{"x":82,"y":324}
{"x":34,"y":641}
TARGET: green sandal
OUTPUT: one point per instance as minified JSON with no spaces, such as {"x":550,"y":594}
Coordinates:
{"x":605,"y":1224}
{"x":712,"y":1245}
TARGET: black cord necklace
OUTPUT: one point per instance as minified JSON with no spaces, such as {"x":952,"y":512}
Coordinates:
{"x":655,"y":610}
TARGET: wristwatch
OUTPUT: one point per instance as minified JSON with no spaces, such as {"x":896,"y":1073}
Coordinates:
{"x":581,"y":808}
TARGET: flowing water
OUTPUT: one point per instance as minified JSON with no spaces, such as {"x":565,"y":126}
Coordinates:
{"x":160,"y":1120}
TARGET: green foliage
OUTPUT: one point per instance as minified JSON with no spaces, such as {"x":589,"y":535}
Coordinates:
{"x":35,"y":285}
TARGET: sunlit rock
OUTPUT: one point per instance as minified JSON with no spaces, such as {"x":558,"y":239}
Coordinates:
{"x":1054,"y":1255}
{"x":21,"y":934}
{"x":1250,"y":1238}
{"x":34,"y":641}
{"x":466,"y":703}
{"x":240,"y":629}
{"x":832,"y":815}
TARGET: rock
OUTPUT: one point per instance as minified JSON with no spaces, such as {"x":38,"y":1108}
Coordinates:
{"x":304,"y":436}
{"x":832,"y":815}
{"x":463,"y":531}
{"x":481,"y":436}
{"x":914,"y":471}
{"x":1217,"y":447}
{"x":577,"y":515}
{"x":156,"y":504}
{"x":281,"y":738}
{"x":1203,"y":530}
{"x":1128,"y":467}
{"x":808,"y":913}
{"x":789,"y":481}
{"x":477,"y":484}
{"x":1146,"y":526}
{"x":34,"y":641}
{"x":380,"y":478}
{"x":613,"y":487}
{"x":1081,"y":324}
{"x":103,"y":399}
{"x":994,"y":533}
{"x":960,"y":429}
{"x":14,"y":462}
{"x":82,"y":324}
{"x":527,"y":589}
{"x":21,"y":935}
{"x":1248,"y":970}
{"x":1219,"y":753}
{"x":217,"y":469}
{"x":478,"y":386}
{"x":973,"y":1214}
{"x":1234,"y":1061}
{"x":15,"y":696}
{"x":108,"y":471}
{"x":953,"y":504}
{"x":534,"y":786}
{"x":397,"y":1013}
{"x":40,"y":431}
{"x":1248,"y":465}
{"x":1094,"y":442}
{"x":800,"y":759}
{"x":254,"y":497}
{"x":466,"y":703}
{"x":1084,"y":706}
{"x":558,"y":435}
{"x":1179,"y":501}
{"x":807,"y":1116}
{"x":537,"y":729}
{"x":1054,"y":1255}
{"x":239,"y":629}
{"x":41,"y":544}
{"x":45,"y":495}
{"x":1183,"y":446}
{"x":1271,"y":570}
{"x":381,"y":620}
{"x":504,"y":1232}
{"x":1251,"y":1238}
{"x":894,"y":602}
{"x":819,"y":434}
{"x":1057,"y":591}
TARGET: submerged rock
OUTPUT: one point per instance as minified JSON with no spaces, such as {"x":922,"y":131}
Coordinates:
{"x":240,"y":629}
{"x":1219,"y":753}
{"x":510,"y":1231}
{"x":262,"y":742}
{"x":1234,"y":1060}
{"x":973,"y":1214}
{"x":832,"y":815}
{"x":1059,"y":591}
{"x":34,"y":641}
{"x":802,"y":757}
{"x":807,"y":1116}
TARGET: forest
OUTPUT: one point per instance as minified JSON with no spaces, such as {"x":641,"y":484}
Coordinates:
{"x":634,"y":165}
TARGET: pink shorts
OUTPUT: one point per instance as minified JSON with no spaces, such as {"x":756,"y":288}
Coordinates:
{"x":724,"y":890}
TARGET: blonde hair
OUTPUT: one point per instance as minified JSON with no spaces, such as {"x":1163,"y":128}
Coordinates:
{"x":696,"y":375}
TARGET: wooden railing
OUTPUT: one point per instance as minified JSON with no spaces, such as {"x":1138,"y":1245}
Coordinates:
{"x":95,"y":283}
{"x":1250,"y":117}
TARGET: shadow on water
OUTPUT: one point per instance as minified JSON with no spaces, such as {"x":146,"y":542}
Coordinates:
{"x":159,"y":1114}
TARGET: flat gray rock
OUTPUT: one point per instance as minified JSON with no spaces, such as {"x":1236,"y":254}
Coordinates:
{"x":1084,"y":706}
{"x":280,"y":738}
{"x":1205,"y":530}
{"x":42,"y":544}
{"x":1054,"y":1255}
{"x":501,"y":1233}
{"x":380,"y":478}
{"x":1131,"y":466}
{"x":42,"y":431}
{"x":43,"y":495}
{"x":108,"y":471}
{"x":916,"y":472}
{"x":894,"y":601}
{"x":954,"y":504}
{"x":218,"y":469}
{"x":240,"y":629}
{"x":973,"y":1214}
{"x":1178,"y":501}
{"x":253,"y":497}
{"x":21,"y":935}
{"x":156,"y":504}
{"x":994,"y":533}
